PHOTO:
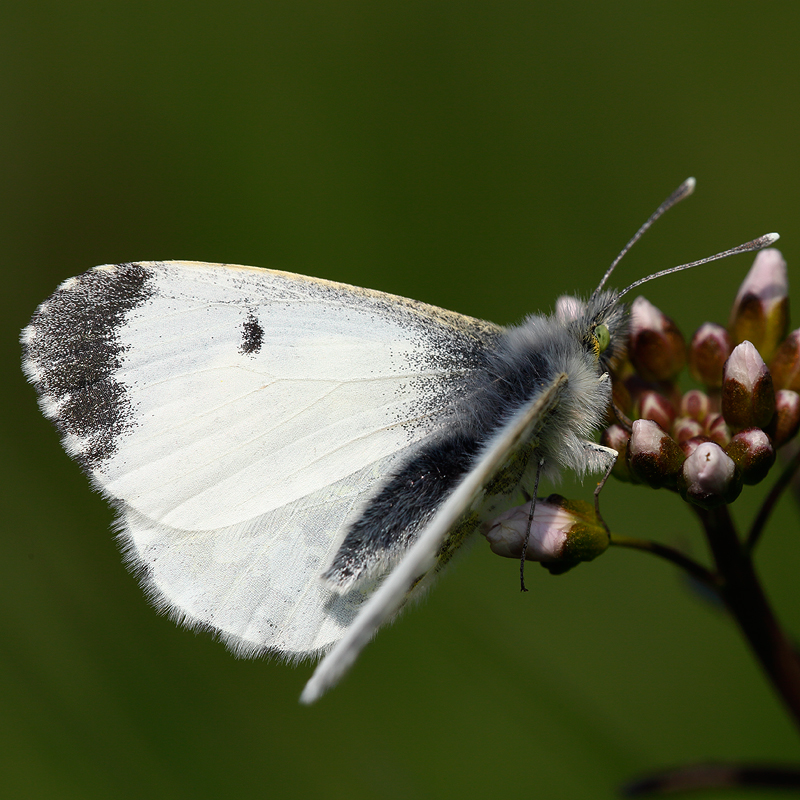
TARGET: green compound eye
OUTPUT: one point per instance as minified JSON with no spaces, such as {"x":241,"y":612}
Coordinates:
{"x":603,"y":337}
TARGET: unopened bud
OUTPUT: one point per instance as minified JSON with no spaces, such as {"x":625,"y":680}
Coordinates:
{"x":653,"y":456}
{"x":688,"y":446}
{"x":586,"y":540}
{"x":717,"y":430}
{"x":617,"y":438}
{"x":563,"y":533}
{"x":709,"y":478}
{"x":569,"y":308}
{"x":752,"y":451}
{"x":785,"y":366}
{"x":657,"y":349}
{"x":621,"y":397}
{"x":748,"y":397}
{"x":506,"y":533}
{"x":786,"y":422}
{"x":710,"y":348}
{"x":654,"y":406}
{"x":687,"y":428}
{"x":696,"y":404}
{"x":761,"y":310}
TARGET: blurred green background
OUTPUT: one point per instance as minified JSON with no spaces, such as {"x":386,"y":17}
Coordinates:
{"x":485,"y":157}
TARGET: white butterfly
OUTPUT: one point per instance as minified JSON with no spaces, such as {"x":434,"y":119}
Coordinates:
{"x":276,"y":445}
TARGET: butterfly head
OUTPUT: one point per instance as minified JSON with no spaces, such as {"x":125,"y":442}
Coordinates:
{"x":600,"y":325}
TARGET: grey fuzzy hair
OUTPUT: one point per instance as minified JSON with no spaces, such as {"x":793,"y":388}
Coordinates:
{"x":522,"y":363}
{"x":536,"y":352}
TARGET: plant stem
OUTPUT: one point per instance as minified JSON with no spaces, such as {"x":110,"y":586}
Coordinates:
{"x":697,"y":571}
{"x":694,"y":777}
{"x":746,"y":601}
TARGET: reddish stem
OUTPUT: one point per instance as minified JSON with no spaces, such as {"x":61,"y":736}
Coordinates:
{"x":742,"y":593}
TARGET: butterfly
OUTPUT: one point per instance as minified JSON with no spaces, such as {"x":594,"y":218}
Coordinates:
{"x":291,"y":459}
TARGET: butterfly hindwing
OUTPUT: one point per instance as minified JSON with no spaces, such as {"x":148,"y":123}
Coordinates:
{"x":471,"y":498}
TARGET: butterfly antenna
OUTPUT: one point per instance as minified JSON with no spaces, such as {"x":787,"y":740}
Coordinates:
{"x":684,"y":190}
{"x":756,"y":244}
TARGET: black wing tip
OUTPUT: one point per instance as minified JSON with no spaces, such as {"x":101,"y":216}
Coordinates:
{"x":71,"y":352}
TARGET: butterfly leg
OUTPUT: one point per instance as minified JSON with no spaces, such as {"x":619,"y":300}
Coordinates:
{"x":539,"y":466}
{"x":605,"y":458}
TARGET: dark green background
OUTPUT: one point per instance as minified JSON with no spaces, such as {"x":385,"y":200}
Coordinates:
{"x":485,"y":157}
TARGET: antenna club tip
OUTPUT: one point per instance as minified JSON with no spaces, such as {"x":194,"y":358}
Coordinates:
{"x":689,"y":185}
{"x":770,"y":238}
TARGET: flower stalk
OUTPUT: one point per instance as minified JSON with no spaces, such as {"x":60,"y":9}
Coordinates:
{"x":741,"y":591}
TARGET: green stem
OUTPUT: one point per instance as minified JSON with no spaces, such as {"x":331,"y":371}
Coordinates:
{"x":697,"y":571}
{"x":746,"y":601}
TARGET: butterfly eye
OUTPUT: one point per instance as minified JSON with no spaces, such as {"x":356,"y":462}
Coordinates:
{"x":603,"y":337}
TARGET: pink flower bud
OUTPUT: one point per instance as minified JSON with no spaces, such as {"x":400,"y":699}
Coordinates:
{"x":687,"y":428}
{"x":696,"y":404}
{"x":709,"y":478}
{"x":617,"y":438}
{"x":688,"y":446}
{"x":711,"y":345}
{"x":748,"y":397}
{"x":657,"y":349}
{"x":653,"y":456}
{"x":621,"y":395}
{"x":786,"y":422}
{"x":785,"y":366}
{"x":654,"y":406}
{"x":563,"y":533}
{"x":569,"y":308}
{"x":506,"y":533}
{"x":752,"y":451}
{"x":761,"y":310}
{"x":718,"y":430}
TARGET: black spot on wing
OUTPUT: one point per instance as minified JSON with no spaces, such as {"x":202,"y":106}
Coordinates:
{"x":252,"y":335}
{"x":448,"y":346}
{"x":72,"y":353}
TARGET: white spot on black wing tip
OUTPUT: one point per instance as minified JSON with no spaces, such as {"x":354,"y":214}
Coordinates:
{"x":71,"y":353}
{"x":27,"y":336}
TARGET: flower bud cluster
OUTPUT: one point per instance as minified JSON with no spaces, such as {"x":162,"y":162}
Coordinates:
{"x":708,"y":443}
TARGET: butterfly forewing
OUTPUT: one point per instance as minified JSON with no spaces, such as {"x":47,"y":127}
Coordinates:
{"x":239,"y":419}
